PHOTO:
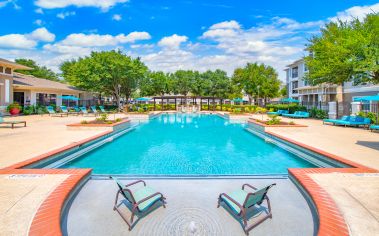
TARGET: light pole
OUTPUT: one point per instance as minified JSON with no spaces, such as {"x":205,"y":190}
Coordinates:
{"x":119,"y":97}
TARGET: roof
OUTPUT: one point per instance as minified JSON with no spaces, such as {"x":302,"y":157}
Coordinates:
{"x":296,"y":62}
{"x":14,"y":65}
{"x":31,"y":81}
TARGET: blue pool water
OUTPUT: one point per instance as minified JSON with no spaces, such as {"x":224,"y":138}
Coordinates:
{"x":188,"y":144}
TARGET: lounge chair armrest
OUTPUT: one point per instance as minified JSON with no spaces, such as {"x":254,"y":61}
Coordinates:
{"x":148,"y":197}
{"x":136,"y":182}
{"x":248,"y":185}
{"x":231,"y":199}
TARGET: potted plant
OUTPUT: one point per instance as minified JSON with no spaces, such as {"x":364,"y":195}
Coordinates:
{"x":14,"y":108}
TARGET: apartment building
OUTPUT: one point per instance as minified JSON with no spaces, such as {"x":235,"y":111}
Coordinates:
{"x":298,"y":88}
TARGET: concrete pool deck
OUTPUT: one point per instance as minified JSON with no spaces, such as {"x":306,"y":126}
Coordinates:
{"x":191,"y":209}
{"x":46,"y":133}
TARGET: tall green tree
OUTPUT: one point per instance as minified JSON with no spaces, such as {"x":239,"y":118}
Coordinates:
{"x":345,"y":51}
{"x":257,"y":81}
{"x":37,"y":71}
{"x":110,"y":72}
{"x":183,"y":81}
{"x":156,"y":83}
{"x":217,"y":84}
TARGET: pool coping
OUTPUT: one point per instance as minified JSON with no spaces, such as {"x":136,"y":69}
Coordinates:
{"x":48,"y":218}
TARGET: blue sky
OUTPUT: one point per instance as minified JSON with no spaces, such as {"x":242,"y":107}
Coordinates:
{"x":169,"y":35}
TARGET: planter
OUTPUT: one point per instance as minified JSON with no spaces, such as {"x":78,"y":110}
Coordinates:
{"x":14,"y":111}
{"x":110,"y":127}
{"x":261,"y":126}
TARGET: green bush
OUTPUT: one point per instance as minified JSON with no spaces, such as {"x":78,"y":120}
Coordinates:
{"x":292,"y":107}
{"x":317,"y":113}
{"x":275,"y":120}
{"x":14,"y":105}
{"x":373,"y":116}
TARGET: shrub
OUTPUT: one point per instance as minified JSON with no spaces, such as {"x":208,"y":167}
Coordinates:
{"x":14,"y":105}
{"x":292,"y":107}
{"x":118,"y":120}
{"x":370,"y":115}
{"x":291,"y":123}
{"x":318,"y":114}
{"x":83,"y":122}
{"x":275,"y":120}
{"x":103,"y":117}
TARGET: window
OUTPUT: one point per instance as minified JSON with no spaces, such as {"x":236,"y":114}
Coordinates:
{"x":46,"y":99}
{"x":305,"y":68}
{"x":306,"y":83}
{"x":1,"y":69}
{"x":295,"y":85}
{"x":8,"y":71}
{"x":295,"y":72}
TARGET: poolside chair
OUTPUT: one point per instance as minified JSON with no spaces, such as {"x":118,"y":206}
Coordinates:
{"x":140,"y":200}
{"x":12,"y":123}
{"x":354,"y":121}
{"x":102,"y":110}
{"x":52,"y":112}
{"x":94,"y":110}
{"x":84,"y":111}
{"x":65,"y":110}
{"x":374,"y":127}
{"x":279,"y":112}
{"x":240,"y":201}
{"x":297,"y":114}
{"x":334,"y":121}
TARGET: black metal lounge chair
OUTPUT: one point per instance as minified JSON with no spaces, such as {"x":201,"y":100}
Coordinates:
{"x":142,"y":199}
{"x":241,"y":200}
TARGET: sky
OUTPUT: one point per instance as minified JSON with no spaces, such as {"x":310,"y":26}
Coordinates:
{"x":170,"y":35}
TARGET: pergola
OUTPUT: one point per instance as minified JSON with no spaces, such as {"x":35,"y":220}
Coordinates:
{"x":182,"y":98}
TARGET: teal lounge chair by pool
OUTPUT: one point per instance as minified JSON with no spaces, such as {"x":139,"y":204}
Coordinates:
{"x":141,"y":199}
{"x":241,"y":201}
{"x":52,"y":112}
{"x":298,"y":114}
{"x":65,"y":110}
{"x":84,"y":111}
{"x":279,"y":112}
{"x":94,"y":110}
{"x":355,"y":121}
{"x":374,"y":127}
{"x":334,"y":121}
{"x":12,"y":123}
{"x":103,"y":110}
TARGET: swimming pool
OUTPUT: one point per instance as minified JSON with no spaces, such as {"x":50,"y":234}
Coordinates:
{"x":188,"y":144}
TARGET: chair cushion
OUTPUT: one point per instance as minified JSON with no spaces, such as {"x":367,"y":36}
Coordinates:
{"x":142,"y":193}
{"x":239,"y":196}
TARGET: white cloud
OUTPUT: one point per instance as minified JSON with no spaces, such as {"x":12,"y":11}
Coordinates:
{"x":42,"y":34}
{"x":16,"y":41}
{"x":356,"y":12}
{"x":172,"y":41}
{"x":226,"y":25}
{"x":117,"y":17}
{"x":103,"y":4}
{"x":26,"y":41}
{"x":97,"y":40}
{"x":39,"y":11}
{"x":63,"y":15}
{"x":38,"y":22}
{"x":13,"y":2}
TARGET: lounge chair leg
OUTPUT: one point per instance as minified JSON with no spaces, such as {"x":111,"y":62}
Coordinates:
{"x":116,"y":200}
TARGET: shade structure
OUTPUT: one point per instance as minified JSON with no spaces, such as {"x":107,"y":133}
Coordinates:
{"x":374,"y":98}
{"x":69,"y":97}
{"x":143,"y":99}
{"x":238,"y":100}
{"x":367,"y":98}
{"x":289,"y":100}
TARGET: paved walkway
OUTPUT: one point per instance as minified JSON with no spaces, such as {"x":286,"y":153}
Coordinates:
{"x":191,"y":210}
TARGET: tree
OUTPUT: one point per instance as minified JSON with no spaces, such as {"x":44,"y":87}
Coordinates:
{"x":217,"y":84}
{"x":109,"y":72}
{"x":156,"y":83}
{"x":345,"y":51}
{"x":37,"y":71}
{"x":183,"y":81}
{"x":257,"y":81}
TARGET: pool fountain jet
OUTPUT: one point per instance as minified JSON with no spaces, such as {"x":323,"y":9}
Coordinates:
{"x":192,"y":228}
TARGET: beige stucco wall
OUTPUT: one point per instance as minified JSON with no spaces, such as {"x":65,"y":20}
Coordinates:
{"x":3,"y":79}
